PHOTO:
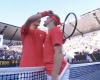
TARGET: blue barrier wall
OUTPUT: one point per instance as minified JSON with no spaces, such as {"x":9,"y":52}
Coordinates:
{"x":87,"y":71}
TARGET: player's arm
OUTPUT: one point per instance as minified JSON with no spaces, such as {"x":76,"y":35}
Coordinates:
{"x":57,"y":61}
{"x":35,"y":17}
{"x":56,"y":37}
{"x":25,"y":27}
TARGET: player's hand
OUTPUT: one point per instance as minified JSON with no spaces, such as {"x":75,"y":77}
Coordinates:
{"x":54,"y":78}
{"x":46,"y":13}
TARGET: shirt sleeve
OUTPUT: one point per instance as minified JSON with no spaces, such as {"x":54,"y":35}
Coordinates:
{"x":56,"y":37}
{"x":23,"y":32}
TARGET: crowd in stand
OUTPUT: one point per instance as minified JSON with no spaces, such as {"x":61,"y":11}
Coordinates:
{"x":84,"y":57}
{"x":79,"y":57}
{"x":9,"y":55}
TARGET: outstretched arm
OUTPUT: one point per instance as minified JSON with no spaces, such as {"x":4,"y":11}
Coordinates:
{"x":35,"y":17}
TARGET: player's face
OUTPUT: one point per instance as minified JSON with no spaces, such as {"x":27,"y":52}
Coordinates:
{"x":47,"y":22}
{"x":36,"y":23}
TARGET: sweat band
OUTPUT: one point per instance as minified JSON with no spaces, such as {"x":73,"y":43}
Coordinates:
{"x":56,"y":20}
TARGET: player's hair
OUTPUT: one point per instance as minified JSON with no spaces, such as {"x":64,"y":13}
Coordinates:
{"x":56,"y":19}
